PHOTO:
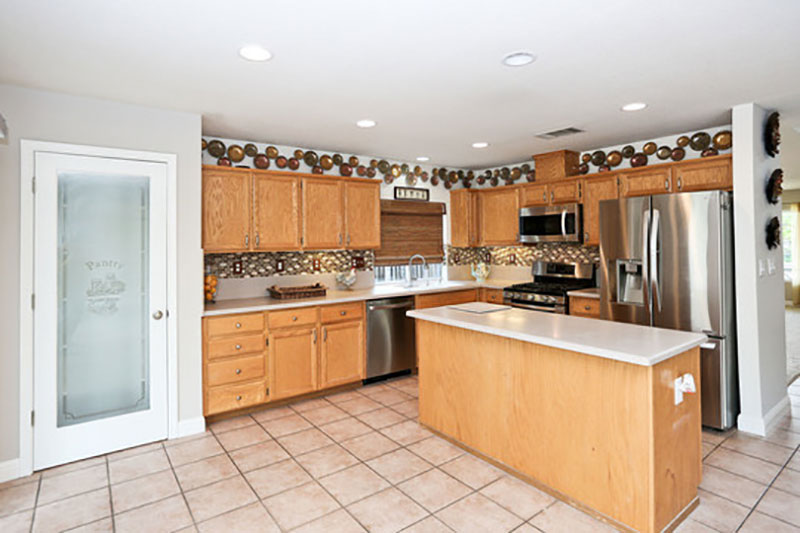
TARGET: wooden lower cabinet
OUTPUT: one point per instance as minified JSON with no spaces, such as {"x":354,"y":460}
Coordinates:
{"x":585,"y":307}
{"x":492,"y":296}
{"x":341,"y":353}
{"x":423,"y":301}
{"x":292,"y":362}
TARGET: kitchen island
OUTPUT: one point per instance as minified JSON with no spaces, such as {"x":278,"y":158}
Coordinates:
{"x":583,"y":409}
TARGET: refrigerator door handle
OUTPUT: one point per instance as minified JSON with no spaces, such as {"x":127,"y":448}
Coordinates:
{"x":654,"y":261}
{"x":564,"y":223}
{"x":645,"y":253}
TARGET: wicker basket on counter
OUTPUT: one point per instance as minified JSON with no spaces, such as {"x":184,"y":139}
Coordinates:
{"x":293,"y":293}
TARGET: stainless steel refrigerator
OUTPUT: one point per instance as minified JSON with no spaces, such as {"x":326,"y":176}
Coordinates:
{"x":667,"y":261}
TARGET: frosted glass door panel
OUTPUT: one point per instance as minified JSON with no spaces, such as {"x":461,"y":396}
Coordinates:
{"x":103,"y":296}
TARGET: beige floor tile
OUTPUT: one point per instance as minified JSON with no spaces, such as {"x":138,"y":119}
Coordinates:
{"x":428,"y":525}
{"x":387,"y":511}
{"x":239,"y":438}
{"x":370,"y":445}
{"x":794,"y":463}
{"x":744,"y":465}
{"x":286,"y":425}
{"x":359,"y":405}
{"x":353,"y":484}
{"x":434,"y":489}
{"x":338,"y":521}
{"x":473,"y":471}
{"x":326,"y":460}
{"x":258,"y":455}
{"x":305,"y":441}
{"x":309,"y":405}
{"x":526,"y":528}
{"x":789,"y":481}
{"x":693,"y":526}
{"x":708,"y":448}
{"x":718,"y":513}
{"x":783,"y":437}
{"x":104,"y":525}
{"x":761,"y":523}
{"x":143,"y":490}
{"x":436,"y":450}
{"x":409,"y":408}
{"x":735,"y":488}
{"x":370,"y":390}
{"x":72,"y":512}
{"x":790,"y":424}
{"x":478,"y":513}
{"x":561,"y":518}
{"x":59,"y":487}
{"x":251,"y":518}
{"x":136,"y":450}
{"x":343,"y":430}
{"x":164,"y":516}
{"x":277,"y":478}
{"x":300,"y":505}
{"x":345,"y":396}
{"x":406,"y":433}
{"x":757,"y":447}
{"x":36,"y":476}
{"x":399,"y":466}
{"x":138,"y":465}
{"x":517,"y":496}
{"x":272,"y":413}
{"x":390,"y":397}
{"x":193,"y":450}
{"x":205,"y":471}
{"x":715,"y":437}
{"x":219,"y":498}
{"x":381,"y":418}
{"x":232,"y":423}
{"x":781,"y":505}
{"x":18,"y":498}
{"x":72,"y":467}
{"x":324,"y":415}
{"x":188,"y":438}
{"x":17,"y":522}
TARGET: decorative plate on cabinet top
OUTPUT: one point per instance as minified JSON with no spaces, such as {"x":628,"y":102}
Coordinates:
{"x":326,"y":162}
{"x":434,"y":180}
{"x":586,"y":157}
{"x":353,"y":160}
{"x":316,"y":169}
{"x":298,"y":154}
{"x":338,"y":159}
{"x":678,"y":154}
{"x":772,"y":134}
{"x":628,"y":151}
{"x":310,"y":158}
{"x":383,"y":166}
{"x":272,"y":152}
{"x":424,"y":176}
{"x":614,"y":158}
{"x":235,"y":153}
{"x":280,"y":161}
{"x":598,"y":157}
{"x":649,"y":148}
{"x":224,"y":162}
{"x":396,"y":170}
{"x":203,"y":144}
{"x":294,"y":163}
{"x":638,"y":160}
{"x":361,"y":170}
{"x":250,"y":150}
{"x":345,"y":169}
{"x":583,"y":168}
{"x":683,"y":141}
{"x":663,"y":152}
{"x":216,"y":148}
{"x":261,"y":161}
{"x":723,"y":140}
{"x":371,"y":172}
{"x":700,"y":141}
{"x":417,"y":170}
{"x":708,"y":152}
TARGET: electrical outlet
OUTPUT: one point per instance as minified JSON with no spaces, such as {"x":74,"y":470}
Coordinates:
{"x":279,"y":265}
{"x":512,"y":259}
{"x":358,"y":262}
{"x":237,"y":267}
{"x":316,"y":264}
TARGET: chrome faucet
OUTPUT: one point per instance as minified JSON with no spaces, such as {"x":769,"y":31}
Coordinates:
{"x":410,"y":280}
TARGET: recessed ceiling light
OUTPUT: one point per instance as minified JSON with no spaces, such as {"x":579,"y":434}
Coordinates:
{"x":519,"y":59}
{"x":255,"y":52}
{"x":480,"y":144}
{"x":423,"y":158}
{"x":634,"y":106}
{"x":365,"y":123}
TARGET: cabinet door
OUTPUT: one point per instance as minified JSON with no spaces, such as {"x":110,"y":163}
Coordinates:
{"x":492,"y":296}
{"x":342,"y":353}
{"x":362,"y":208}
{"x":646,"y":182}
{"x":226,"y":210}
{"x":531,"y":195}
{"x":566,"y":192}
{"x":292,"y":362}
{"x":596,"y":190}
{"x":499,"y":217}
{"x":322,"y":214}
{"x":703,"y":176}
{"x":462,"y":215}
{"x":276,"y":212}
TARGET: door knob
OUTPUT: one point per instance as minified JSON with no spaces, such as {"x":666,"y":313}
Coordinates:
{"x":158,"y":315}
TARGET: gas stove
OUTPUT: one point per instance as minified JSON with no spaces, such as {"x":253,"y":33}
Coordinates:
{"x":548,"y":290}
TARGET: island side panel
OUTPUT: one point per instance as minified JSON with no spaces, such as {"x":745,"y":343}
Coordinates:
{"x":577,"y":423}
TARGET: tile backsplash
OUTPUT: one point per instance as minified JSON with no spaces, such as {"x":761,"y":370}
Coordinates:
{"x":523,"y":255}
{"x":263,"y":264}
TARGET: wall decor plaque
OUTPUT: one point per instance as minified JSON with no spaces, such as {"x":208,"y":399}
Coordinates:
{"x":412,"y":193}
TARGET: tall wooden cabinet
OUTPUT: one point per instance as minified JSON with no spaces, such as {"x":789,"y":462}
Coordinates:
{"x":463,"y":218}
{"x":595,"y":191}
{"x":362,"y":215}
{"x":498,"y":217}
{"x":323,"y":221}
{"x":276,"y":212}
{"x":226,"y":210}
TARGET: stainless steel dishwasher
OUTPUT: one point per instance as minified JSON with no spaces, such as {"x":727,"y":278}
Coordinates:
{"x":391,"y":342}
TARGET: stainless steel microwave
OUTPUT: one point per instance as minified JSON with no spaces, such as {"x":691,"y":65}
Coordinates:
{"x":551,"y":223}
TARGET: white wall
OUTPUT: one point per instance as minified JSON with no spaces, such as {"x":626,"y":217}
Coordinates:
{"x":759,"y":298}
{"x":47,"y":116}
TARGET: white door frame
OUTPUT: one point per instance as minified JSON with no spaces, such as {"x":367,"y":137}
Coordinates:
{"x":28,"y":150}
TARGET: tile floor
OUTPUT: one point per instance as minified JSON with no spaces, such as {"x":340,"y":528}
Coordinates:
{"x":358,"y":461}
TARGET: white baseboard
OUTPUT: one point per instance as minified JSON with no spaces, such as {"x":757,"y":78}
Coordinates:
{"x":9,"y":470}
{"x":760,"y":425}
{"x":190,"y":427}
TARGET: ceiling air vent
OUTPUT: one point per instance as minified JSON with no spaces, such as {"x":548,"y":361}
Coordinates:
{"x":555,"y":134}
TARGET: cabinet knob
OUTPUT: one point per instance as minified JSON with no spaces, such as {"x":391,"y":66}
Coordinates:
{"x":238,"y":371}
{"x":342,"y":313}
{"x":294,"y":319}
{"x":239,"y":398}
{"x":238,"y":346}
{"x":238,"y":325}
{"x":586,"y":236}
{"x":587,"y":307}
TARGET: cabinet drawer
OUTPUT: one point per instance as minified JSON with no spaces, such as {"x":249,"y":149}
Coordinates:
{"x":229,"y":325}
{"x":424,"y":301}
{"x":584,"y":306}
{"x":230,"y":397}
{"x":293,"y":317}
{"x":492,"y":296}
{"x":239,"y":345}
{"x":335,"y":313}
{"x":235,"y":370}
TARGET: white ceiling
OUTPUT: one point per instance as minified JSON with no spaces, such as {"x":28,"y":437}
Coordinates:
{"x":428,"y":72}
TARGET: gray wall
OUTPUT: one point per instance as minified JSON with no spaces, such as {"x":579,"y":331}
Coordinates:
{"x":46,"y":116}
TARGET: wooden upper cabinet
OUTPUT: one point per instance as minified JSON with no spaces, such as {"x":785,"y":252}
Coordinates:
{"x":646,"y":182}
{"x":341,"y":353}
{"x":226,"y":210}
{"x":276,"y":212}
{"x":499,"y":216}
{"x":463,"y":218}
{"x":566,"y":192}
{"x":362,"y":208}
{"x":323,"y":214}
{"x":703,"y":175}
{"x":531,"y":195}
{"x":596,"y":190}
{"x":292,"y":361}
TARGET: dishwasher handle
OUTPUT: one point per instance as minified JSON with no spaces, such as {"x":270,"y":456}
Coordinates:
{"x":404,"y":305}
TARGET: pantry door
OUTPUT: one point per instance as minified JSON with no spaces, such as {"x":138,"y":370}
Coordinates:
{"x":100,"y":324}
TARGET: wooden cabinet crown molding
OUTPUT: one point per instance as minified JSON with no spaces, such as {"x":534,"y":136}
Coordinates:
{"x":287,"y":173}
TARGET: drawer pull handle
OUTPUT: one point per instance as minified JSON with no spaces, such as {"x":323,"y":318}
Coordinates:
{"x":342,"y":313}
{"x":238,"y":346}
{"x":238,"y":371}
{"x":294,"y":319}
{"x":239,"y":398}
{"x":666,"y":185}
{"x":238,"y":325}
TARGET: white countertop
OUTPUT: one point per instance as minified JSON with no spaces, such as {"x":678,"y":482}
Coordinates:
{"x":389,"y":290}
{"x":586,"y":293}
{"x":629,"y":343}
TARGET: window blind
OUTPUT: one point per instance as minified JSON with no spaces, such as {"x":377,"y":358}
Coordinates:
{"x":409,"y":228}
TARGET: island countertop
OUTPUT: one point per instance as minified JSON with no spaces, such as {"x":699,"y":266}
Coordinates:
{"x":629,"y":343}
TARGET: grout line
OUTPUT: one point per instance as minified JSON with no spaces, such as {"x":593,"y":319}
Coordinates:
{"x":110,"y":497}
{"x":35,"y":504}
{"x":760,"y":498}
{"x":180,"y":487}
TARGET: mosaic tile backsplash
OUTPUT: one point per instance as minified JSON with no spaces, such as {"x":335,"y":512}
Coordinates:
{"x":263,"y":264}
{"x":523,"y":255}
